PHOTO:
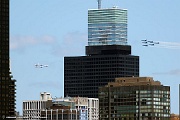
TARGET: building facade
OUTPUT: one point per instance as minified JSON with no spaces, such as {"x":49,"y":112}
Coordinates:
{"x":107,"y":26}
{"x":93,"y":109}
{"x":32,"y":108}
{"x":83,"y":75}
{"x":134,"y":98}
{"x":60,"y":113}
{"x":88,"y":108}
{"x":7,"y":84}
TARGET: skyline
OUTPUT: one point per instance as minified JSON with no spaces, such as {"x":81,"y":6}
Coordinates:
{"x":44,"y":32}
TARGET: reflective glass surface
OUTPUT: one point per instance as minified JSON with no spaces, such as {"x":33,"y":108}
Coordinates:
{"x":107,"y":27}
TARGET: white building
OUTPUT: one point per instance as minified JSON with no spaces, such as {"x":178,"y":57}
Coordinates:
{"x":89,"y":104}
{"x":87,"y":108}
{"x":32,"y":108}
{"x":93,"y":109}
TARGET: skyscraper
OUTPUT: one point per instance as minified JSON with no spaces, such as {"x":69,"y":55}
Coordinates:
{"x":134,"y":98}
{"x":107,"y":55}
{"x":7,"y":85}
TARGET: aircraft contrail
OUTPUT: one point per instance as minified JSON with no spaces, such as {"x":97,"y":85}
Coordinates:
{"x":169,"y":47}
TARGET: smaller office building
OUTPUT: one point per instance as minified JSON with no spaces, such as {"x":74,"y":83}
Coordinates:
{"x":134,"y":98}
{"x":32,"y":108}
{"x":68,"y":108}
{"x":87,"y":108}
{"x":60,"y":112}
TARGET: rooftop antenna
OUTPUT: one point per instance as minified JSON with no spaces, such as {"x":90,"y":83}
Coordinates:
{"x":99,"y":4}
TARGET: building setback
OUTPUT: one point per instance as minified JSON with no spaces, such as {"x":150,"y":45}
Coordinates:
{"x":134,"y":98}
{"x":107,"y":55}
{"x":7,"y":85}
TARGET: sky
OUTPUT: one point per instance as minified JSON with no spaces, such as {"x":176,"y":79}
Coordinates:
{"x":45,"y":31}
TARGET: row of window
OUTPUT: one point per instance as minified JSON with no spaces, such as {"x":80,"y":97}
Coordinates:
{"x":106,"y":58}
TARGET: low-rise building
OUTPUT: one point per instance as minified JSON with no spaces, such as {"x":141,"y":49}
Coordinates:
{"x":60,"y":112}
{"x":47,"y":108}
{"x":32,"y":108}
{"x":134,"y":98}
{"x":174,"y":117}
{"x":88,"y":107}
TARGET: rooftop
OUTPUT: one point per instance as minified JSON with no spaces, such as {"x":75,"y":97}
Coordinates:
{"x":133,"y":81}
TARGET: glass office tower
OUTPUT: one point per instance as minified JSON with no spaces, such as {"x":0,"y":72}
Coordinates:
{"x":7,"y":85}
{"x":107,"y":26}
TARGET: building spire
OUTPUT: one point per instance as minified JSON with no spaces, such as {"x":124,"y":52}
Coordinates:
{"x":99,"y":4}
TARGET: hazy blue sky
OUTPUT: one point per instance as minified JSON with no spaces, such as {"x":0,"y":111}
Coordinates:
{"x":44,"y":31}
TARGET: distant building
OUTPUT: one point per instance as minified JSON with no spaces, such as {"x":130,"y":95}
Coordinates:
{"x":174,"y":117}
{"x":32,"y":108}
{"x":107,"y":55}
{"x":134,"y":98}
{"x":7,"y":84}
{"x":89,"y":104}
{"x":78,"y":108}
{"x":19,"y":117}
{"x":93,"y":109}
{"x":88,"y":107}
{"x":57,"y":112}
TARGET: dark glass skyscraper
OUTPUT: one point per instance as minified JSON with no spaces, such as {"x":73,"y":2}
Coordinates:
{"x":7,"y":85}
{"x":107,"y":55}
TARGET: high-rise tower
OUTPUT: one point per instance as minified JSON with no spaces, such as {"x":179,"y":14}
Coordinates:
{"x":7,"y":85}
{"x":107,"y":55}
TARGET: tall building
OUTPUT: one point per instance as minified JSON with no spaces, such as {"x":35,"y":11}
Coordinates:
{"x":134,"y":98}
{"x":107,"y":55}
{"x":7,"y":85}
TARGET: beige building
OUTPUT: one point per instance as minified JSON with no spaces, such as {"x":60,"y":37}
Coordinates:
{"x":174,"y":117}
{"x":134,"y":98}
{"x":134,"y":81}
